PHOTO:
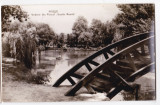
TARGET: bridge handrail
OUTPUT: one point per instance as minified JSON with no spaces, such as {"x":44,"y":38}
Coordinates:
{"x":104,"y":50}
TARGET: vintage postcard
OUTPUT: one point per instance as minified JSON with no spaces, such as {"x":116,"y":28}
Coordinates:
{"x":68,"y":53}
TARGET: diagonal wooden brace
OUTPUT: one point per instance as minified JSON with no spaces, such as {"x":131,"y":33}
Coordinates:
{"x":125,"y":84}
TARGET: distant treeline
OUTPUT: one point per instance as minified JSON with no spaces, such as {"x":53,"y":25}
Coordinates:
{"x":133,"y":18}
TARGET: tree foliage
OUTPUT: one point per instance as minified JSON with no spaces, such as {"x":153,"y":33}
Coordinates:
{"x":9,"y":13}
{"x":97,"y":28}
{"x":60,"y":40}
{"x":79,"y":26}
{"x":137,"y":18}
{"x":44,"y":31}
{"x":103,"y":33}
{"x":26,"y":44}
{"x":85,"y":39}
{"x":109,"y":31}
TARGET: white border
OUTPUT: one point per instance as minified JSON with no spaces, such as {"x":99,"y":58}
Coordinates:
{"x":157,"y":23}
{"x":18,"y":2}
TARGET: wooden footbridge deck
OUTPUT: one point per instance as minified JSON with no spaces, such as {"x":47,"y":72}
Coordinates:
{"x":126,"y":60}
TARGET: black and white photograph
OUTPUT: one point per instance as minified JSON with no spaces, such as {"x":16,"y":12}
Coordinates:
{"x":78,"y":52}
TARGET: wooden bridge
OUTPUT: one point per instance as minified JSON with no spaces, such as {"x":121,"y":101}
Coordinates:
{"x":126,"y":60}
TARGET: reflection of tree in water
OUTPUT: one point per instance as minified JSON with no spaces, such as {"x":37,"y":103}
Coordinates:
{"x":72,"y":62}
{"x":79,"y":54}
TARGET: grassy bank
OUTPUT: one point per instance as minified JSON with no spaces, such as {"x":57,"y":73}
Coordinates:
{"x":18,"y":86}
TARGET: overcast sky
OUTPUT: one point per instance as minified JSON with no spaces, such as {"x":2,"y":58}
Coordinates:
{"x":63,"y":22}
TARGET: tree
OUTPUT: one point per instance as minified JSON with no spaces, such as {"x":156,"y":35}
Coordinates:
{"x":81,"y":25}
{"x":85,"y":39}
{"x":45,"y":33}
{"x":97,"y":28}
{"x":137,"y":18}
{"x":10,"y":13}
{"x":71,"y":40}
{"x":26,"y":44}
{"x":109,"y":31}
{"x":60,"y":40}
{"x":103,"y":33}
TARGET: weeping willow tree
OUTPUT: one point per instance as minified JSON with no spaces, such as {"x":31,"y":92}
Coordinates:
{"x":9,"y":14}
{"x":22,"y":42}
{"x":18,"y":35}
{"x":26,"y":45}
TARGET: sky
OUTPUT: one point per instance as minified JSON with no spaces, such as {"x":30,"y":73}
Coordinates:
{"x":62,"y":17}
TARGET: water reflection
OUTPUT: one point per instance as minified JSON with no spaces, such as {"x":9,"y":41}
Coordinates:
{"x":58,"y":62}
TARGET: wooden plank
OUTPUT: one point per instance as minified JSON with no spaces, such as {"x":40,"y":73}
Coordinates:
{"x":94,"y":63}
{"x":138,"y":55}
{"x":141,"y":72}
{"x":119,"y":68}
{"x":122,"y":62}
{"x":110,"y":52}
{"x":73,"y":90}
{"x":100,"y":82}
{"x":124,"y":82}
{"x":105,"y":55}
{"x":103,"y":76}
{"x":117,"y":76}
{"x":131,"y":62}
{"x":135,"y":75}
{"x":88,"y":67}
{"x":71,"y":80}
{"x":115,"y":91}
{"x":90,"y":89}
{"x":142,"y":50}
{"x":68,"y":73}
{"x":77,"y":76}
{"x":97,"y":88}
{"x":124,"y":74}
{"x":138,"y":63}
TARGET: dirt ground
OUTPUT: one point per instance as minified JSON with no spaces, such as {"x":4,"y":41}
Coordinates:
{"x":21,"y":91}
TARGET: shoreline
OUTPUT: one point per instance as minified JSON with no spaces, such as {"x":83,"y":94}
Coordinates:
{"x":75,"y":49}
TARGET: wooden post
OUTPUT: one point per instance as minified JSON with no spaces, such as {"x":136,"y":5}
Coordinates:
{"x":137,"y":88}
